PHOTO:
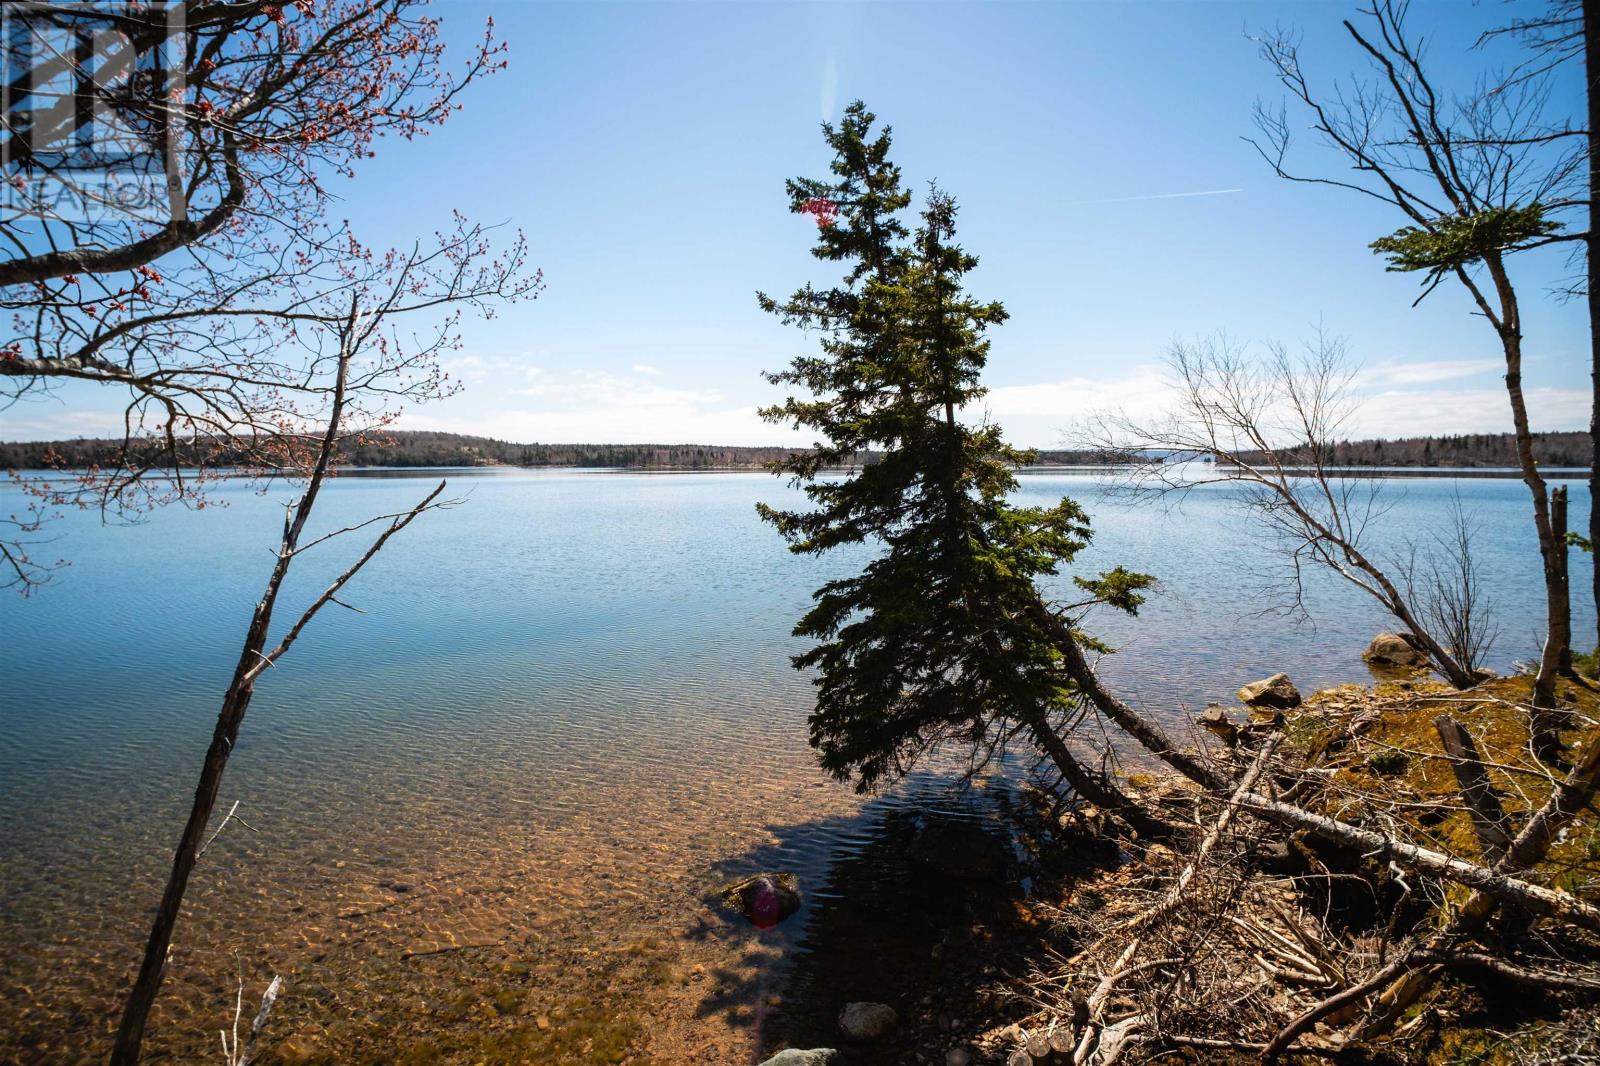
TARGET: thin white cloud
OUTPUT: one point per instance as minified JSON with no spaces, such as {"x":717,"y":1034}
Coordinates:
{"x":59,"y":424}
{"x":1432,"y":412}
{"x":646,"y":368}
{"x":1043,"y":414}
{"x":830,"y":87}
{"x":468,"y":368}
{"x":1143,"y":390}
{"x":1427,"y":372}
{"x":587,"y":389}
{"x":596,"y":407}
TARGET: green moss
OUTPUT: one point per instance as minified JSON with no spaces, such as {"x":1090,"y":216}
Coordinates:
{"x":1388,"y":763}
{"x":1311,"y":735}
{"x":1401,"y":760}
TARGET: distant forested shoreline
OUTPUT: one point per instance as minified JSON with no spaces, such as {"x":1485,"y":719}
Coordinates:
{"x":1466,"y":450}
{"x":429,"y":449}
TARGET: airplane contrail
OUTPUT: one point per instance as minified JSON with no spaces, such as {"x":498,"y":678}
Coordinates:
{"x":1159,"y":196}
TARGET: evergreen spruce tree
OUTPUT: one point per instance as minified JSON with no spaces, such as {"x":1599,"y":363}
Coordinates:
{"x":937,"y":640}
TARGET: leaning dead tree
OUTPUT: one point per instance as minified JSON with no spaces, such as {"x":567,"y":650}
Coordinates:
{"x":1476,"y":178}
{"x":349,"y":334}
{"x":1266,"y":426}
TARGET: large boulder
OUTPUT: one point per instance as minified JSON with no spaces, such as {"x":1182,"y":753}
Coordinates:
{"x":765,"y":899}
{"x":958,"y":849}
{"x":822,"y":1056}
{"x":1395,"y":649}
{"x":1275,"y":691}
{"x":867,"y":1021}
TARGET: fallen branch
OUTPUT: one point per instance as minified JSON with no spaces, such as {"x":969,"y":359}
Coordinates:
{"x":1325,"y":1007}
{"x":1174,"y":895}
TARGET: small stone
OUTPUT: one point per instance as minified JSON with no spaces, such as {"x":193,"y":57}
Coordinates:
{"x":543,"y":1023}
{"x":957,"y":1057}
{"x":1274,"y":691}
{"x":866,"y":1021}
{"x":821,"y":1056}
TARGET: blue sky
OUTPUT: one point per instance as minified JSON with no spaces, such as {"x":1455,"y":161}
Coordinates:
{"x":643,"y":150}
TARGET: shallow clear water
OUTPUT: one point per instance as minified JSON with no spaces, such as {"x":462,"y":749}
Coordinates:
{"x":566,"y":711}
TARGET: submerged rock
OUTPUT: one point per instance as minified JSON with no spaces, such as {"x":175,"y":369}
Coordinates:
{"x":867,"y":1021}
{"x":1395,"y":649}
{"x":1274,"y":691}
{"x":821,"y":1056}
{"x":957,"y":849}
{"x":765,"y":899}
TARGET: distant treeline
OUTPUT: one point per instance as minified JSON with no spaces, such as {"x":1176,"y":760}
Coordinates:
{"x":416,"y":449}
{"x":425,"y":449}
{"x":454,"y":449}
{"x":1467,"y":450}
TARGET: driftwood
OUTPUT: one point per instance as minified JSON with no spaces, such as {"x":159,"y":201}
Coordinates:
{"x":1495,"y":883}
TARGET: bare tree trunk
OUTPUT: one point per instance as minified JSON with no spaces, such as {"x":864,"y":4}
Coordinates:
{"x":1591,"y":67}
{"x":136,"y":1011}
{"x":1477,"y":792}
{"x":1558,"y":530}
{"x":1558,"y":617}
{"x":1096,"y":788}
{"x":253,"y":659}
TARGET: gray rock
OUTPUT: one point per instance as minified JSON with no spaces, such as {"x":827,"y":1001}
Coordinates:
{"x":1275,"y":691}
{"x":957,"y":1057}
{"x":821,"y":1056}
{"x":866,"y":1021}
{"x":765,"y":899}
{"x":1395,"y":649}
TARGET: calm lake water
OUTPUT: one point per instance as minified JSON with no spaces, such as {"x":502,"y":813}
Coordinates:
{"x":564,"y":718}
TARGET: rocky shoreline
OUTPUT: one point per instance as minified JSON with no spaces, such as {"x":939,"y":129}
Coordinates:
{"x":975,"y":997}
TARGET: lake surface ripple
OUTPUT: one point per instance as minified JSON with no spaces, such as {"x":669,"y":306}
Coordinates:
{"x":566,"y":716}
